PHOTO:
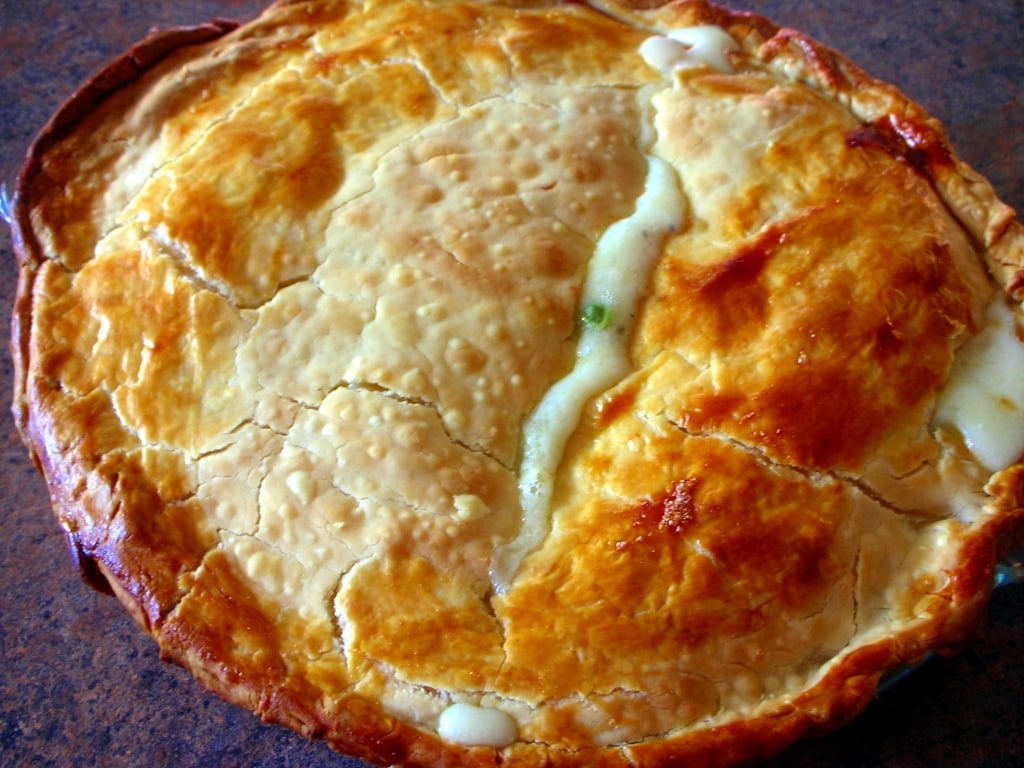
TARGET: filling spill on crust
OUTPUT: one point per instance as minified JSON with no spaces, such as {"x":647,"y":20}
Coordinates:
{"x":476,"y":726}
{"x":608,"y":305}
{"x":690,"y":47}
{"x":616,"y":277}
{"x":984,"y":397}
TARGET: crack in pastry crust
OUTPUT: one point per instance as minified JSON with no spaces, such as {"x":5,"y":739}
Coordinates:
{"x":289,"y":295}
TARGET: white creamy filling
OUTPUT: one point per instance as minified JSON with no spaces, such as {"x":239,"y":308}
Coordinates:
{"x":475,"y":726}
{"x":984,"y":397}
{"x":617,"y":274}
{"x":690,"y":47}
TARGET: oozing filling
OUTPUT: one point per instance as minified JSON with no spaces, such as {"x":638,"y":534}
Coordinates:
{"x":690,"y":47}
{"x":476,"y":726}
{"x":616,"y":277}
{"x":984,"y":398}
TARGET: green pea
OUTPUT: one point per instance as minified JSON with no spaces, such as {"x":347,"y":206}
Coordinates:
{"x":597,"y":316}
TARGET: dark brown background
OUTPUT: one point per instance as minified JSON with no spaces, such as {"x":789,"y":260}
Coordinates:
{"x":80,"y":686}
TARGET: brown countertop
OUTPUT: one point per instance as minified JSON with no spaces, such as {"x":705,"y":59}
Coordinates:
{"x":80,"y":685}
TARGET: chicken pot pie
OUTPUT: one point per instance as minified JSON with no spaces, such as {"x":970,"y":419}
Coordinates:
{"x":522,"y":383}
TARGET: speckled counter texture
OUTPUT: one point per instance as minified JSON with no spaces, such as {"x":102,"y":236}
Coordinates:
{"x":81,"y":686}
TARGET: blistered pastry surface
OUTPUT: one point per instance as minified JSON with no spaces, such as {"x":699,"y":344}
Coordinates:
{"x":286,"y":314}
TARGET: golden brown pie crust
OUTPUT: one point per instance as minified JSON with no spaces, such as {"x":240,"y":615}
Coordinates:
{"x":288,"y":292}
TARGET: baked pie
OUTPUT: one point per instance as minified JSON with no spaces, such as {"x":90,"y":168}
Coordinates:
{"x":484,"y":383}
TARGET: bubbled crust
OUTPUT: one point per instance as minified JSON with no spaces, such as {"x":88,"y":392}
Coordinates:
{"x":288,"y":292}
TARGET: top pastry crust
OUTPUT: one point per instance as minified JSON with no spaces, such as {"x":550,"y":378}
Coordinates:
{"x":611,"y":371}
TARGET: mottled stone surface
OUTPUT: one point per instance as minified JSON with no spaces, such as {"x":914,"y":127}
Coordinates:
{"x":82,"y":686}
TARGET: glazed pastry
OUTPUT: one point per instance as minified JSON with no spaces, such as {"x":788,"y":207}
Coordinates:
{"x":494,"y":383}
